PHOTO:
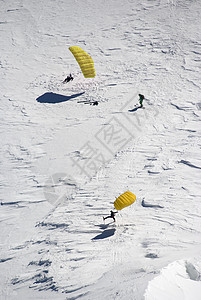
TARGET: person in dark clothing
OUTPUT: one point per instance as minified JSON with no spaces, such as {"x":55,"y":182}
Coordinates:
{"x":112,"y":215}
{"x":141,"y":98}
{"x":68,"y":78}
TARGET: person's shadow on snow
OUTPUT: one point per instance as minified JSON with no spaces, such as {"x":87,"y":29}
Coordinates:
{"x":54,"y":98}
{"x":134,"y":109}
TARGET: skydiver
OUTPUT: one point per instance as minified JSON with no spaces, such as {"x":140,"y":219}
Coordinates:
{"x":112,"y":215}
{"x":141,"y":98}
{"x":68,"y":78}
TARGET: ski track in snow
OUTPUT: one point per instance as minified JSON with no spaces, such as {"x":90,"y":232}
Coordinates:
{"x":64,"y":251}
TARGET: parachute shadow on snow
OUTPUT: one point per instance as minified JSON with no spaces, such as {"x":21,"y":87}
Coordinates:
{"x":105,"y":234}
{"x":56,"y":98}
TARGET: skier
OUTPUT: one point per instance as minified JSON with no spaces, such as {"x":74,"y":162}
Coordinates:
{"x":68,"y":78}
{"x":112,"y":215}
{"x":141,"y":98}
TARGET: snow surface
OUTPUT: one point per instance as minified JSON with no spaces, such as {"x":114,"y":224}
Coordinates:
{"x":63,"y":162}
{"x":180,"y":280}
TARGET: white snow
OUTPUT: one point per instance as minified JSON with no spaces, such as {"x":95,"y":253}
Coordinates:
{"x":63,"y":162}
{"x":179,"y":280}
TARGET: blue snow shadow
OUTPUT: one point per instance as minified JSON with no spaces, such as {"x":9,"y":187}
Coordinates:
{"x":105,"y":234}
{"x":55,"y":98}
{"x":134,"y":109}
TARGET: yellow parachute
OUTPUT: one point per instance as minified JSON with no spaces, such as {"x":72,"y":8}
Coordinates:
{"x":85,"y":61}
{"x":124,"y":200}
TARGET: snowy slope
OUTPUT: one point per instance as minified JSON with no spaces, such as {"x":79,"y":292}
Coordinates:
{"x":63,"y":162}
{"x":180,"y":279}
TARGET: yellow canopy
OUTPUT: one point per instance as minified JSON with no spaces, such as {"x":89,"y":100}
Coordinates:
{"x":85,"y":61}
{"x":124,"y":200}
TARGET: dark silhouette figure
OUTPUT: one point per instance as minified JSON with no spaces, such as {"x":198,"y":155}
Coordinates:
{"x":68,"y":78}
{"x":141,"y":98}
{"x":112,"y":215}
